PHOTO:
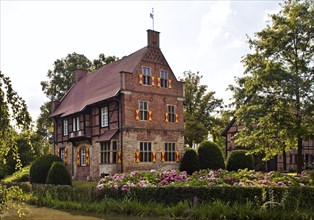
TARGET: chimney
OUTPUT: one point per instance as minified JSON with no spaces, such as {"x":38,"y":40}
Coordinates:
{"x":152,"y":38}
{"x":79,"y":74}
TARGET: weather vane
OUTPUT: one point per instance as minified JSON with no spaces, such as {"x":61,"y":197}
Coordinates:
{"x":152,"y":16}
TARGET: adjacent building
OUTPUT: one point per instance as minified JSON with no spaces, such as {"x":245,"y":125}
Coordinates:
{"x":277,"y":163}
{"x":125,"y":116}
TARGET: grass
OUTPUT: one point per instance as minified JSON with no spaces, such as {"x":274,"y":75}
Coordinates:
{"x":184,"y":209}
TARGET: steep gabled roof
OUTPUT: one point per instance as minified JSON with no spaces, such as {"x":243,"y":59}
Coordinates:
{"x":224,"y":133}
{"x":99,"y":85}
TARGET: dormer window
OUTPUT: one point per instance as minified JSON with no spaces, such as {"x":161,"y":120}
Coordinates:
{"x":76,"y":124}
{"x":65,"y":126}
{"x":104,"y":117}
{"x":146,"y":76}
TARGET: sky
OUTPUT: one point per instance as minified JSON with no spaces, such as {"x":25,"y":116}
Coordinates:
{"x":209,"y":37}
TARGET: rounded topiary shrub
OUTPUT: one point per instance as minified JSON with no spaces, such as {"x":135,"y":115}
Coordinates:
{"x":40,"y":168}
{"x":210,"y":156}
{"x":59,"y":175}
{"x":190,"y":162}
{"x":239,"y":160}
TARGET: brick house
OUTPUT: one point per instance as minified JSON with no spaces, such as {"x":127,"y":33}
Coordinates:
{"x":125,"y":116}
{"x":277,"y":163}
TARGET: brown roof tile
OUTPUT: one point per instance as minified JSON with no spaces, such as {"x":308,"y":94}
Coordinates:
{"x":99,"y":85}
{"x":107,"y":136}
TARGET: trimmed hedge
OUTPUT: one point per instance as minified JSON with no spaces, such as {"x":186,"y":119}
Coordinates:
{"x":190,"y":162}
{"x":287,"y":197}
{"x":59,"y":175}
{"x":210,"y":156}
{"x":40,"y":168}
{"x":239,"y":160}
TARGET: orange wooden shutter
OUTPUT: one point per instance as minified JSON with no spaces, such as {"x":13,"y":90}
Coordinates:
{"x":78,"y":157}
{"x":153,"y":81}
{"x":158,"y":81}
{"x":163,"y":156}
{"x":166,"y":118}
{"x":150,"y":116}
{"x":170,"y":84}
{"x":65,"y":156}
{"x":58,"y":152}
{"x":177,"y":118}
{"x":154,"y":157}
{"x":87,"y":156}
{"x":119,"y":157}
{"x":137,"y":114}
{"x":137,"y":157}
{"x":177,"y":156}
{"x":140,"y":79}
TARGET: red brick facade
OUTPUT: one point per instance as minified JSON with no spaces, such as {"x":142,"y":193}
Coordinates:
{"x":124,"y":125}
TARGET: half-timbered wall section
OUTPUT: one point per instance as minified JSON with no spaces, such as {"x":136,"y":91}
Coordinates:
{"x":276,"y":163}
{"x":125,"y":116}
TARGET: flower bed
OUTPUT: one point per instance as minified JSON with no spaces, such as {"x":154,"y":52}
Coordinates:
{"x":243,"y":178}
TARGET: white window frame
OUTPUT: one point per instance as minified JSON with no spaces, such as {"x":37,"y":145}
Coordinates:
{"x":61,"y":152}
{"x":145,"y":151}
{"x":104,"y":116}
{"x":83,"y":157}
{"x":76,"y":123}
{"x":170,"y":152}
{"x":65,"y":127}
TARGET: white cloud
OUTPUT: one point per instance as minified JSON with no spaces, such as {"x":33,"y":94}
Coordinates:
{"x":213,"y":23}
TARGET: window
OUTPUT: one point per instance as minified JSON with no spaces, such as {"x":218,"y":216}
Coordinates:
{"x":76,"y":124}
{"x":163,"y":79}
{"x":292,"y":158}
{"x":143,"y":110}
{"x":147,"y":80}
{"x":83,"y":157}
{"x":61,"y":154}
{"x":65,"y":126}
{"x":171,"y":113}
{"x":170,"y":152}
{"x":104,"y":117}
{"x":145,"y":151}
{"x":109,"y":152}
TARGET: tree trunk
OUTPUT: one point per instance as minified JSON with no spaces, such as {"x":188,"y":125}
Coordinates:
{"x":284,"y":160}
{"x":300,"y":156}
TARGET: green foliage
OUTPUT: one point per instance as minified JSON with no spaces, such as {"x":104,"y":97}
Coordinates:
{"x":59,"y":175}
{"x":61,"y":192}
{"x":238,"y":159}
{"x":210,"y":156}
{"x":190,"y":162}
{"x":29,"y":148}
{"x":275,"y":97}
{"x":40,"y":168}
{"x":21,"y":175}
{"x":199,"y":106}
{"x":13,"y":110}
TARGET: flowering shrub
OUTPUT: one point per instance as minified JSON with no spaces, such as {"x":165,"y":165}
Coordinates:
{"x":219,"y":177}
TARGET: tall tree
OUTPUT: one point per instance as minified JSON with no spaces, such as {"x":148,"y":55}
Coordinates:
{"x":60,"y":80}
{"x":13,"y":114}
{"x":275,"y":98}
{"x":199,"y":108}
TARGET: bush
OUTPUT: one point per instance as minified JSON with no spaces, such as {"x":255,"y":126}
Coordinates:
{"x":190,"y":162}
{"x":239,"y":160}
{"x":210,"y":156}
{"x":59,"y":175}
{"x":40,"y":168}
